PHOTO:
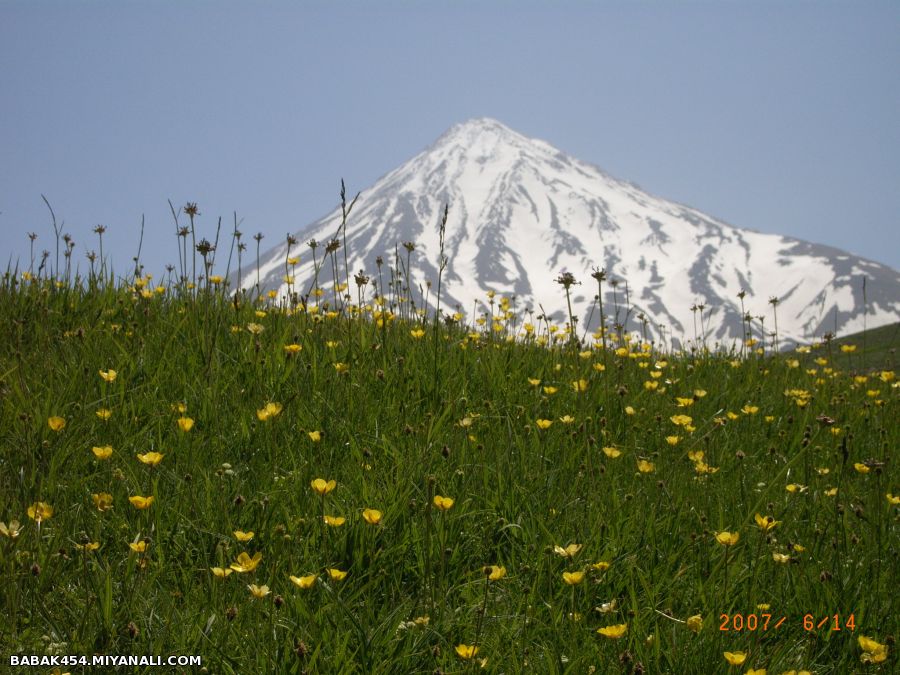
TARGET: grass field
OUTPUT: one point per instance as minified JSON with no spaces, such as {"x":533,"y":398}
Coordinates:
{"x":295,"y":489}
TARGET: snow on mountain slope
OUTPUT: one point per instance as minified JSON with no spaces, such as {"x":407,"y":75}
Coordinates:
{"x":521,"y":212}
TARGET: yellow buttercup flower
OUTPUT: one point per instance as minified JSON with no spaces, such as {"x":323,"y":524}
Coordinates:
{"x":873,"y":652}
{"x":221,"y":572}
{"x":466,"y":652}
{"x":580,"y":386}
{"x":40,"y":511}
{"x":185,"y":423}
{"x":494,"y":572}
{"x":567,"y":419}
{"x":573,"y":578}
{"x":756,"y":671}
{"x":543,"y":424}
{"x":11,"y":531}
{"x":292,"y":348}
{"x":138,"y":546}
{"x":601,"y":566}
{"x":103,"y":501}
{"x":336,"y":574}
{"x":245,"y":563}
{"x":141,"y":502}
{"x":417,"y":333}
{"x":322,"y":487}
{"x":645,"y":467}
{"x":103,"y":413}
{"x":892,"y":499}
{"x":304,"y":582}
{"x":258,"y":592}
{"x":613,"y":632}
{"x":151,"y":458}
{"x":108,"y":375}
{"x":682,"y":420}
{"x":781,"y":558}
{"x":569,"y":551}
{"x":268,"y":411}
{"x":56,"y":423}
{"x":695,"y":623}
{"x":860,"y":467}
{"x":735,"y":658}
{"x":611,"y":452}
{"x":102,"y":452}
{"x":727,"y":538}
{"x":443,"y":503}
{"x":315,"y":436}
{"x":766,"y":523}
{"x":240,"y":535}
{"x":334,"y":521}
{"x":372,"y":516}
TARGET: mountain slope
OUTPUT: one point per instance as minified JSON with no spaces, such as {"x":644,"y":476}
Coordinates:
{"x":521,"y":212}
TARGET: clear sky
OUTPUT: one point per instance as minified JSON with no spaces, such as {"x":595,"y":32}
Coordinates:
{"x":775,"y":116}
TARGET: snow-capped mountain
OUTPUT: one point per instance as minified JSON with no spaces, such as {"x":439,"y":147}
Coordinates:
{"x":522,"y":212}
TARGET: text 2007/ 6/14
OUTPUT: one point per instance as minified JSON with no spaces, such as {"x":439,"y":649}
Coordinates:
{"x":765,"y":622}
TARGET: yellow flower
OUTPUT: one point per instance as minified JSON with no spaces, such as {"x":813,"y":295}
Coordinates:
{"x":141,"y":502}
{"x":573,"y":578}
{"x":221,"y":572}
{"x":102,"y":501}
{"x":334,"y":521}
{"x":255,"y":328}
{"x":629,"y":410}
{"x":179,"y":408}
{"x":673,"y":440}
{"x":756,"y":671}
{"x":580,"y":386}
{"x":185,"y":423}
{"x":102,"y":452}
{"x":268,"y":411}
{"x":494,"y":572}
{"x":549,"y":390}
{"x":695,"y":623}
{"x":304,"y":582}
{"x":372,"y":516}
{"x":322,"y":487}
{"x":533,"y":381}
{"x":613,"y":632}
{"x":681,"y":420}
{"x":40,"y":511}
{"x":341,"y":368}
{"x":103,"y":413}
{"x":240,"y":535}
{"x":781,"y":558}
{"x":56,"y":423}
{"x":138,"y":546}
{"x":90,"y":546}
{"x":893,"y":500}
{"x":727,"y":538}
{"x":848,"y":348}
{"x":795,"y":487}
{"x":766,"y":523}
{"x":831,"y":492}
{"x":245,"y":563}
{"x":683,"y":403}
{"x":443,"y":503}
{"x":466,"y":652}
{"x":543,"y":424}
{"x":108,"y":375}
{"x":292,"y":348}
{"x":750,"y":409}
{"x":567,"y":419}
{"x":645,"y":467}
{"x":151,"y":458}
{"x":12,"y":531}
{"x":315,"y":436}
{"x":569,"y":551}
{"x":216,"y":279}
{"x":861,"y":468}
{"x":417,"y":333}
{"x":873,"y":652}
{"x":258,"y":592}
{"x":735,"y":658}
{"x":611,"y":452}
{"x":335,"y":574}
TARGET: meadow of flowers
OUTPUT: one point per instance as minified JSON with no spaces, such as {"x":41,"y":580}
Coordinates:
{"x":342,"y":484}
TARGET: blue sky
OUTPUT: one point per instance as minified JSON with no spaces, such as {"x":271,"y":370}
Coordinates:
{"x":775,"y":116}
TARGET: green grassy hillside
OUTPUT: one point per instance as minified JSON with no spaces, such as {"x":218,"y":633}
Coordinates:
{"x":280,"y":488}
